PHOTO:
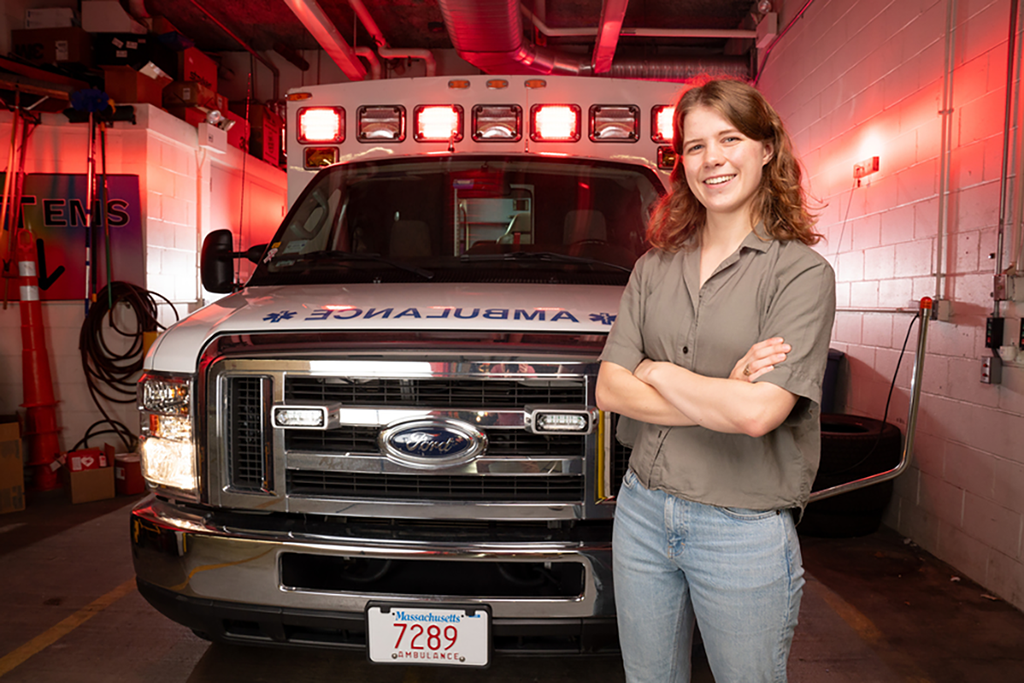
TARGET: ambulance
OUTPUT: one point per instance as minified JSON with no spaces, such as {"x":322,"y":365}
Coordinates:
{"x":386,"y":438}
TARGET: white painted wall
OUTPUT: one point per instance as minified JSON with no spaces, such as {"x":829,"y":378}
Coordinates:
{"x":180,"y":205}
{"x":854,"y":80}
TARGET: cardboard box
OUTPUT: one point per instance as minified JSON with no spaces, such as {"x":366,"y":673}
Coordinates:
{"x":126,"y":85}
{"x":136,"y":51}
{"x":195,"y":66}
{"x":189,"y":114}
{"x":89,"y":474}
{"x":189,"y":94}
{"x":108,"y":15}
{"x":128,"y":479}
{"x":238,"y":134}
{"x":51,"y":17}
{"x":53,"y":45}
{"x":266,"y":131}
{"x":12,"y":469}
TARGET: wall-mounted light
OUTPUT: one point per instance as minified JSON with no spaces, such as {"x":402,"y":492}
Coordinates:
{"x":865,"y":168}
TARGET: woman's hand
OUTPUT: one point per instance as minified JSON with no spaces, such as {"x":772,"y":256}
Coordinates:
{"x":761,"y":358}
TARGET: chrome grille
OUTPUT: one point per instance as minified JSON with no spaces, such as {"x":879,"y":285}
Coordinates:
{"x":438,"y":394}
{"x":560,"y":489}
{"x":499,"y":442}
{"x":247,"y":441}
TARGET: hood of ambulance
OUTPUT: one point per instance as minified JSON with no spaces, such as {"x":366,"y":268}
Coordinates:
{"x":584,"y":309}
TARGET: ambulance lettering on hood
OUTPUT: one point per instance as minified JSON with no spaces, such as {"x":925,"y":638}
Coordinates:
{"x":352,"y":313}
{"x":581,"y":309}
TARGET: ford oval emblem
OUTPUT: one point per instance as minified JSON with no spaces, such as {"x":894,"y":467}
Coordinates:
{"x":432,"y":442}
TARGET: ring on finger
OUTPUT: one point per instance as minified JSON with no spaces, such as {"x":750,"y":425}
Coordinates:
{"x":746,"y":370}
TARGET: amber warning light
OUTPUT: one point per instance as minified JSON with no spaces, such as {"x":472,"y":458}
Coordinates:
{"x":321,"y":124}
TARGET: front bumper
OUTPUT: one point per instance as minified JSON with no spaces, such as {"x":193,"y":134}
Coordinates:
{"x":294,"y":579}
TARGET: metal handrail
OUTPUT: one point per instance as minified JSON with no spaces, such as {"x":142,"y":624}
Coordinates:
{"x":925,"y":311}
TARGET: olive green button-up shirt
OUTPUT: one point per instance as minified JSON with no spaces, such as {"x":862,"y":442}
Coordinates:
{"x":767,"y":288}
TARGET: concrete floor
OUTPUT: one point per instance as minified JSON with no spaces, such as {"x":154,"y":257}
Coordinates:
{"x":876,"y":609}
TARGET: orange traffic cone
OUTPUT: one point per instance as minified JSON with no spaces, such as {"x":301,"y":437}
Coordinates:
{"x":40,"y":405}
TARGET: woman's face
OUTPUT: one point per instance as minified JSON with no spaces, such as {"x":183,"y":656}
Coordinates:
{"x":723,"y":167}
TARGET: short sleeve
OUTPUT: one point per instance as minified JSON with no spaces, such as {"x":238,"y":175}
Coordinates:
{"x":801,"y":311}
{"x":625,"y":345}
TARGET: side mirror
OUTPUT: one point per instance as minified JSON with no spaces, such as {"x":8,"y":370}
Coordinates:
{"x":216,"y":262}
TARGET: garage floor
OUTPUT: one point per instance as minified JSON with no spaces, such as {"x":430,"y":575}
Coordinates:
{"x":876,"y":609}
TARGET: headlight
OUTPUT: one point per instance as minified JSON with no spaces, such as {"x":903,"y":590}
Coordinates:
{"x":167,"y":446}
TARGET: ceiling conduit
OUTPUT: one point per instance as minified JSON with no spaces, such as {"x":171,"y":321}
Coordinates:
{"x":383,"y":49}
{"x":323,"y":30}
{"x":490,"y":37}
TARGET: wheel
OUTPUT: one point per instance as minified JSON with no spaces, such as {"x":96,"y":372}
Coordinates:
{"x":852,"y":447}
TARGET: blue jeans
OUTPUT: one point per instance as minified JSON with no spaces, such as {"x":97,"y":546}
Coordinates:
{"x":737,"y":572}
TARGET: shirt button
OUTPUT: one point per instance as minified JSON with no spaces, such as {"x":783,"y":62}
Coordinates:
{"x":686,"y":349}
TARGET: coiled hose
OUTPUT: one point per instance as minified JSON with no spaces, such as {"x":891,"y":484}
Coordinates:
{"x":110,"y":374}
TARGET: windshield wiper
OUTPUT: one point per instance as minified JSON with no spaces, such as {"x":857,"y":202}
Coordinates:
{"x":551,"y":256}
{"x":343,"y":256}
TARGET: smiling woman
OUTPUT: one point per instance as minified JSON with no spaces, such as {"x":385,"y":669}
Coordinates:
{"x":715,"y":363}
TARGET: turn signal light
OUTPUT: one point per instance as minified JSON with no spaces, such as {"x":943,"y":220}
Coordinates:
{"x":321,"y":124}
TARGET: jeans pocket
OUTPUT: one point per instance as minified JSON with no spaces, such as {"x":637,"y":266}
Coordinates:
{"x":629,"y":479}
{"x":748,"y":515}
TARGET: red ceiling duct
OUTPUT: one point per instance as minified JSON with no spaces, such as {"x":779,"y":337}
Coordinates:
{"x":489,"y":35}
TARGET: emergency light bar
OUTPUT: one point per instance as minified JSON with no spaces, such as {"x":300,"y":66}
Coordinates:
{"x":380,"y":124}
{"x":614,"y":123}
{"x":661,"y":123}
{"x":321,"y":124}
{"x":494,"y":123}
{"x":555,"y":123}
{"x":437,"y":123}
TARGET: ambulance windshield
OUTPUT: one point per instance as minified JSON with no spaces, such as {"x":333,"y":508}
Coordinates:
{"x":465,"y":219}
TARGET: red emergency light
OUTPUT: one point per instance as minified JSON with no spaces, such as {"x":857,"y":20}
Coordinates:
{"x":661,"y":123}
{"x":321,"y":124}
{"x":437,"y":123}
{"x":555,"y":123}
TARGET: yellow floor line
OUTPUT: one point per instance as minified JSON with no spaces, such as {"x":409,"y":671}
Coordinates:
{"x":870,"y":634}
{"x":44,"y":640}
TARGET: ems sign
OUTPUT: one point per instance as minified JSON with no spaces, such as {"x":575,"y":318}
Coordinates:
{"x":53,"y":207}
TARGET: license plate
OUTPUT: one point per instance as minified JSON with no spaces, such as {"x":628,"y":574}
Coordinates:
{"x":450,"y":636}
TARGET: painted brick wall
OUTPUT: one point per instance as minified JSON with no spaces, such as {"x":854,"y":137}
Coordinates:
{"x":177,"y":204}
{"x":855,"y":80}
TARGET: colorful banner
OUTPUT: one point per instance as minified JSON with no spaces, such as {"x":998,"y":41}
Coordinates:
{"x":53,"y":207}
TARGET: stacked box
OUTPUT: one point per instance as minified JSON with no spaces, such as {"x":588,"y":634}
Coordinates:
{"x":51,"y":17}
{"x":266,"y":129}
{"x":89,"y":474}
{"x":195,"y":66}
{"x":124,"y":84}
{"x":108,"y":15}
{"x":136,"y":51}
{"x":53,"y":45}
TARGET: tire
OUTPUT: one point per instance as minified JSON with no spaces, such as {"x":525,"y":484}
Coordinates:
{"x":852,"y":447}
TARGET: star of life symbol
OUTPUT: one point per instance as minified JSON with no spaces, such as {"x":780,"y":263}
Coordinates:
{"x":603,"y":318}
{"x":278,"y":317}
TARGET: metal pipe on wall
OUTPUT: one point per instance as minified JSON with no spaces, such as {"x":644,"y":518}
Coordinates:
{"x":1004,"y":176}
{"x":945,"y":146}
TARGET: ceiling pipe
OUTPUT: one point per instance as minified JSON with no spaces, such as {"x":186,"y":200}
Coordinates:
{"x":326,"y":34}
{"x":612,"y":15}
{"x":490,"y":37}
{"x":263,"y":60}
{"x":639,"y":32}
{"x":371,"y":58}
{"x":383,"y":49}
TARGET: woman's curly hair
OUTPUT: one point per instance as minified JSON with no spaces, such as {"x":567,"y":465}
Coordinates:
{"x":779,"y":202}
